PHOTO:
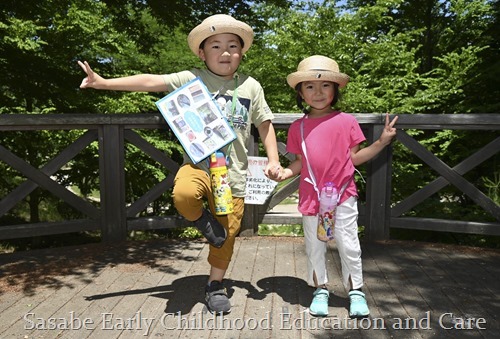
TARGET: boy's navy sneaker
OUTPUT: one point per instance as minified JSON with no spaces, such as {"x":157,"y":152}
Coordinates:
{"x":211,"y":229}
{"x":216,"y":298}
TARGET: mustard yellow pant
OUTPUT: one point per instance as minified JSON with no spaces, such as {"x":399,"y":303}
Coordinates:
{"x":191,"y":189}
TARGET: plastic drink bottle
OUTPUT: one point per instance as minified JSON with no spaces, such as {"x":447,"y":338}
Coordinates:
{"x":327,"y":206}
{"x":220,"y":184}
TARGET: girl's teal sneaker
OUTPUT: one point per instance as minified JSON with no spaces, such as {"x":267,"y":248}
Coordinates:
{"x":358,"y":308}
{"x":319,"y":305}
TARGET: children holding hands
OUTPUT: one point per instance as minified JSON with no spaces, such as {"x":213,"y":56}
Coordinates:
{"x":326,"y":143}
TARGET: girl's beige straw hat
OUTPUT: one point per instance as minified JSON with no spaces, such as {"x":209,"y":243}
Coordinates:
{"x":317,"y":67}
{"x":219,"y":24}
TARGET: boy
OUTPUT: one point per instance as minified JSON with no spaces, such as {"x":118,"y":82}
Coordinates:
{"x":220,"y":41}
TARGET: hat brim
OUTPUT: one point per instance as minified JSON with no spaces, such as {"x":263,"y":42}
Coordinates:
{"x":300,"y":76}
{"x":208,"y":29}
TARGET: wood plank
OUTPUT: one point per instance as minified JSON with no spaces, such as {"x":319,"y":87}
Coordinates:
{"x":118,"y":313}
{"x":153,"y":152}
{"x":47,"y":183}
{"x":146,"y":299}
{"x":238,"y":286}
{"x":259,"y":293}
{"x":465,"y":271}
{"x":78,"y":308}
{"x":183,"y":289}
{"x":24,"y":189}
{"x":112,"y":184}
{"x":155,"y":222}
{"x":434,"y":186}
{"x":282,"y":120}
{"x":194,"y":284}
{"x":450,"y":175}
{"x":13,"y":318}
{"x":132,"y":306}
{"x":286,"y":284}
{"x":378,"y":190}
{"x":7,"y":299}
{"x":429,"y":283}
{"x":150,"y":196}
{"x":394,"y":299}
{"x":47,"y":228}
{"x":281,"y":219}
{"x":100,"y":310}
{"x":403,"y":280}
{"x":441,"y":225}
{"x":375,"y":288}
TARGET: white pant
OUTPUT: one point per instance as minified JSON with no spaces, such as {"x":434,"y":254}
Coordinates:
{"x":346,"y":238}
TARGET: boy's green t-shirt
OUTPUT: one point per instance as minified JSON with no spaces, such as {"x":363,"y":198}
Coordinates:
{"x":251,"y":108}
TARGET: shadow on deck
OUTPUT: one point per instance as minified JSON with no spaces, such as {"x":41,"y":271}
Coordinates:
{"x":155,"y":289}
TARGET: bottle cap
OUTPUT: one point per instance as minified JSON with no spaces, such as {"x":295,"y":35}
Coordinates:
{"x":217,"y":159}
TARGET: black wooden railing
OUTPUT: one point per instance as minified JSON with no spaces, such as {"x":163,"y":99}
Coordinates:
{"x":116,"y":216}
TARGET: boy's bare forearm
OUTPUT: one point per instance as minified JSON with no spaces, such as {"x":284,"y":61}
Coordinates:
{"x":133,"y":83}
{"x":268,"y":137}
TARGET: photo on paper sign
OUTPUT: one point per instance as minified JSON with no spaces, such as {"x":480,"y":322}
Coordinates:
{"x":221,"y":132}
{"x":207,"y":114}
{"x":172,"y":108}
{"x":181,"y":125}
{"x":197,"y":93}
{"x":183,"y":101}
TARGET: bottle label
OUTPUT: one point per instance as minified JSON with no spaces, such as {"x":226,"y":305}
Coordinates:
{"x":326,"y":224}
{"x":221,"y":191}
{"x":327,"y":210}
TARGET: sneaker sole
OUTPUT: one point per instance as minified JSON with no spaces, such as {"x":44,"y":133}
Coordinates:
{"x":213,"y":311}
{"x":318,"y":314}
{"x":356,"y":316}
{"x":216,"y":313}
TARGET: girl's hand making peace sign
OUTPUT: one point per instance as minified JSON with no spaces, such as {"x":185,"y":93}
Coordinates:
{"x":389,"y":131}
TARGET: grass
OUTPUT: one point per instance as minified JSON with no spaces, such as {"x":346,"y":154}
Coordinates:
{"x":281,"y":230}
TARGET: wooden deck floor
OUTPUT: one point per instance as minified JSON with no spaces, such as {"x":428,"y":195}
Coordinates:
{"x":155,"y":289}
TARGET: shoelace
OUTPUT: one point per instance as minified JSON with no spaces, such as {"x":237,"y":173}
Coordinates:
{"x":216,"y":287}
{"x":357,"y":298}
{"x":321,"y":297}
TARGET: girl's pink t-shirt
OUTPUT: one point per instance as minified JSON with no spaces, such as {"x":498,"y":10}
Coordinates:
{"x":329,"y":140}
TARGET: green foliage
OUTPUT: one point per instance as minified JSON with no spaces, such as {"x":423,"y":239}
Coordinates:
{"x":493,"y":187}
{"x":281,"y":230}
{"x":171,"y":233}
{"x":403,"y":57}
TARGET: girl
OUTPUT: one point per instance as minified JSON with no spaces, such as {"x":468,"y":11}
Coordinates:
{"x":327,"y":147}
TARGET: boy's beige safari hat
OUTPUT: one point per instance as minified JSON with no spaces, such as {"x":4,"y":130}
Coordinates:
{"x":219,"y":24}
{"x":317,"y":67}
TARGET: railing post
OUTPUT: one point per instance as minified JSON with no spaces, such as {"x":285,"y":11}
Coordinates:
{"x":378,"y":190}
{"x":250,"y":222}
{"x":112,"y":183}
